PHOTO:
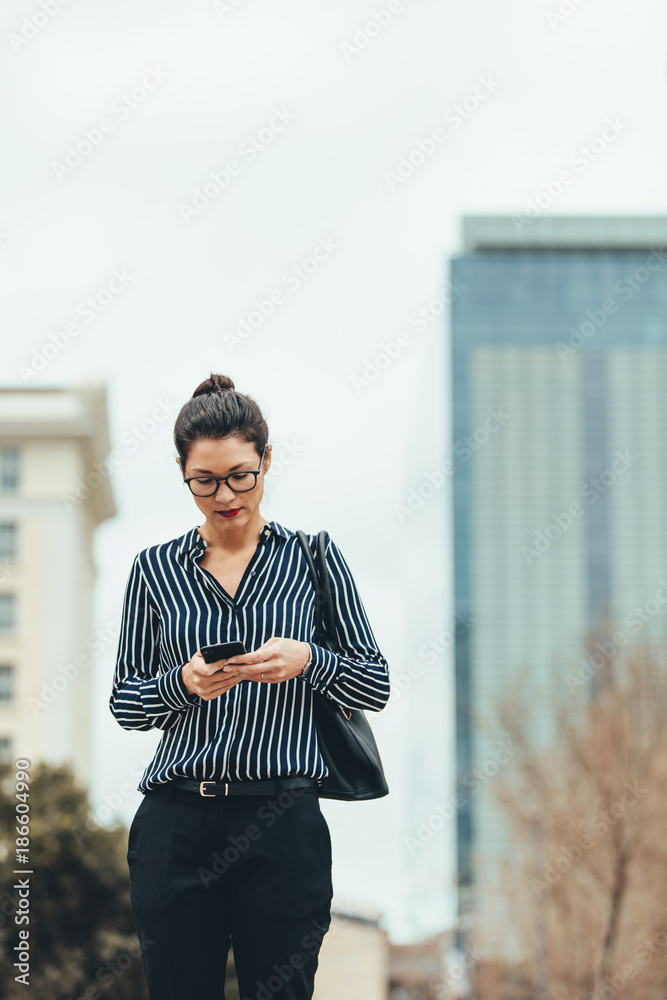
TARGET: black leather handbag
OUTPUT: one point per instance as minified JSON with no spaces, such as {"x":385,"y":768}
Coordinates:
{"x":344,"y":735}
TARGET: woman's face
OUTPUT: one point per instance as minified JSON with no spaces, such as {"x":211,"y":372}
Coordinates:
{"x":222,"y":458}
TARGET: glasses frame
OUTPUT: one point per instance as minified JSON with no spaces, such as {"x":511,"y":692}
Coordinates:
{"x":225,"y":480}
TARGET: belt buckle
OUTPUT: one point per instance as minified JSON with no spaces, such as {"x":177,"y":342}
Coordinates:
{"x":211,"y":795}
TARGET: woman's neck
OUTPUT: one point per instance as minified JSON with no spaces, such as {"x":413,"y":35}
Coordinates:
{"x":229,"y":542}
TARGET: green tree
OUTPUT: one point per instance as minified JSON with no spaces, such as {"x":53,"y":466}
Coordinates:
{"x":82,"y":941}
{"x":81,"y":933}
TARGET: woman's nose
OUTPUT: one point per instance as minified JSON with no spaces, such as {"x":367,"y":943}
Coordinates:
{"x":224,"y":493}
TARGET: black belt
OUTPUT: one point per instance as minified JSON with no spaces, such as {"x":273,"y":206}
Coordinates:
{"x":210,"y":788}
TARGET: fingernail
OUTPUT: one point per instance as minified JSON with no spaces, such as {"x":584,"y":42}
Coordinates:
{"x":227,"y":670}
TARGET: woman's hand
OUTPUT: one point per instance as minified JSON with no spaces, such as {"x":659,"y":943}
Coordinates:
{"x":277,"y":660}
{"x":207,"y":679}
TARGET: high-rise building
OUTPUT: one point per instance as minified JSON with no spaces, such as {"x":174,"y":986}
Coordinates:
{"x":54,"y":491}
{"x":559,"y":340}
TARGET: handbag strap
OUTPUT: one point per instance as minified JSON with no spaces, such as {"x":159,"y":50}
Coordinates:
{"x":328,"y":615}
{"x":319,"y":576}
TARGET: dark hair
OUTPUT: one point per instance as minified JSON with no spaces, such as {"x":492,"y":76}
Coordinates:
{"x":216,"y":410}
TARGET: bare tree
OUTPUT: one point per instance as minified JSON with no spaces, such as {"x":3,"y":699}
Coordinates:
{"x":586,"y":887}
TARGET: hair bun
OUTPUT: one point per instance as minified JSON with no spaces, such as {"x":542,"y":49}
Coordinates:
{"x":216,"y":383}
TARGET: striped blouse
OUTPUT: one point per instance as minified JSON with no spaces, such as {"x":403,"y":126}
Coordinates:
{"x":173,"y":606}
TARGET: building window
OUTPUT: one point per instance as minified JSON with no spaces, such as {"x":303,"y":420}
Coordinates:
{"x":6,"y":684}
{"x":9,"y":470}
{"x":7,"y":541}
{"x":5,"y":750}
{"x":7,"y":612}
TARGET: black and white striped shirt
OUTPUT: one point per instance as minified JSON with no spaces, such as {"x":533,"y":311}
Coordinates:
{"x":173,"y":606}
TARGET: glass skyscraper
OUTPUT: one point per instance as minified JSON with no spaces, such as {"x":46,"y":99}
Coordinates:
{"x":559,"y":341}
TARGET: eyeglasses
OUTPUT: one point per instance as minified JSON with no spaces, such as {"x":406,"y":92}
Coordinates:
{"x":237,"y":482}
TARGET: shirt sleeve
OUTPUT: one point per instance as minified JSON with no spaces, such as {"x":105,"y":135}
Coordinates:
{"x":357,"y":674}
{"x":142,"y":697}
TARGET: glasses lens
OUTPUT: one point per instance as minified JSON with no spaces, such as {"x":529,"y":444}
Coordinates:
{"x":241,"y":482}
{"x":203,"y":487}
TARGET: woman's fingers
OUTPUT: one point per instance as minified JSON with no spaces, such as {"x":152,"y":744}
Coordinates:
{"x":221,"y":688}
{"x":278,"y":659}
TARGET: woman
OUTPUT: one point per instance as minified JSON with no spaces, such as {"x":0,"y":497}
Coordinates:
{"x":229,"y":843}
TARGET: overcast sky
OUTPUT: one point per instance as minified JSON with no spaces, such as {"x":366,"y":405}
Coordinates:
{"x":278,"y":188}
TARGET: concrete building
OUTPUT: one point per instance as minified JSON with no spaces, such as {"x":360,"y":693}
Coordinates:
{"x":422,"y":971}
{"x":53,"y":493}
{"x":559,"y":353}
{"x":353,"y":960}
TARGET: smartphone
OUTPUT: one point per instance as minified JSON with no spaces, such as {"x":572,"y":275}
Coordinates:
{"x":222,"y":651}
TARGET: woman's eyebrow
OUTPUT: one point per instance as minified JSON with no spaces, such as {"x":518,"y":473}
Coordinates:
{"x":238,"y":464}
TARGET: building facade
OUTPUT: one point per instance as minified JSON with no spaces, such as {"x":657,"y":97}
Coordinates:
{"x":354,"y":959}
{"x":559,"y":354}
{"x":54,"y":491}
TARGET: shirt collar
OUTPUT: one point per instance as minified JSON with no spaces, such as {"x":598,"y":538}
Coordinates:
{"x":193,"y":540}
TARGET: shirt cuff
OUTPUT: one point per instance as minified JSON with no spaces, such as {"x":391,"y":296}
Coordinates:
{"x":170,"y":689}
{"x":323,"y":669}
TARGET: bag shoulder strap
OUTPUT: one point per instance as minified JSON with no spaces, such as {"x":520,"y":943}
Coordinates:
{"x":319,"y":577}
{"x":328,"y":615}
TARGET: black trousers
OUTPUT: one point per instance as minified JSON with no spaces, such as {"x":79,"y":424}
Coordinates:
{"x":253,"y":870}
